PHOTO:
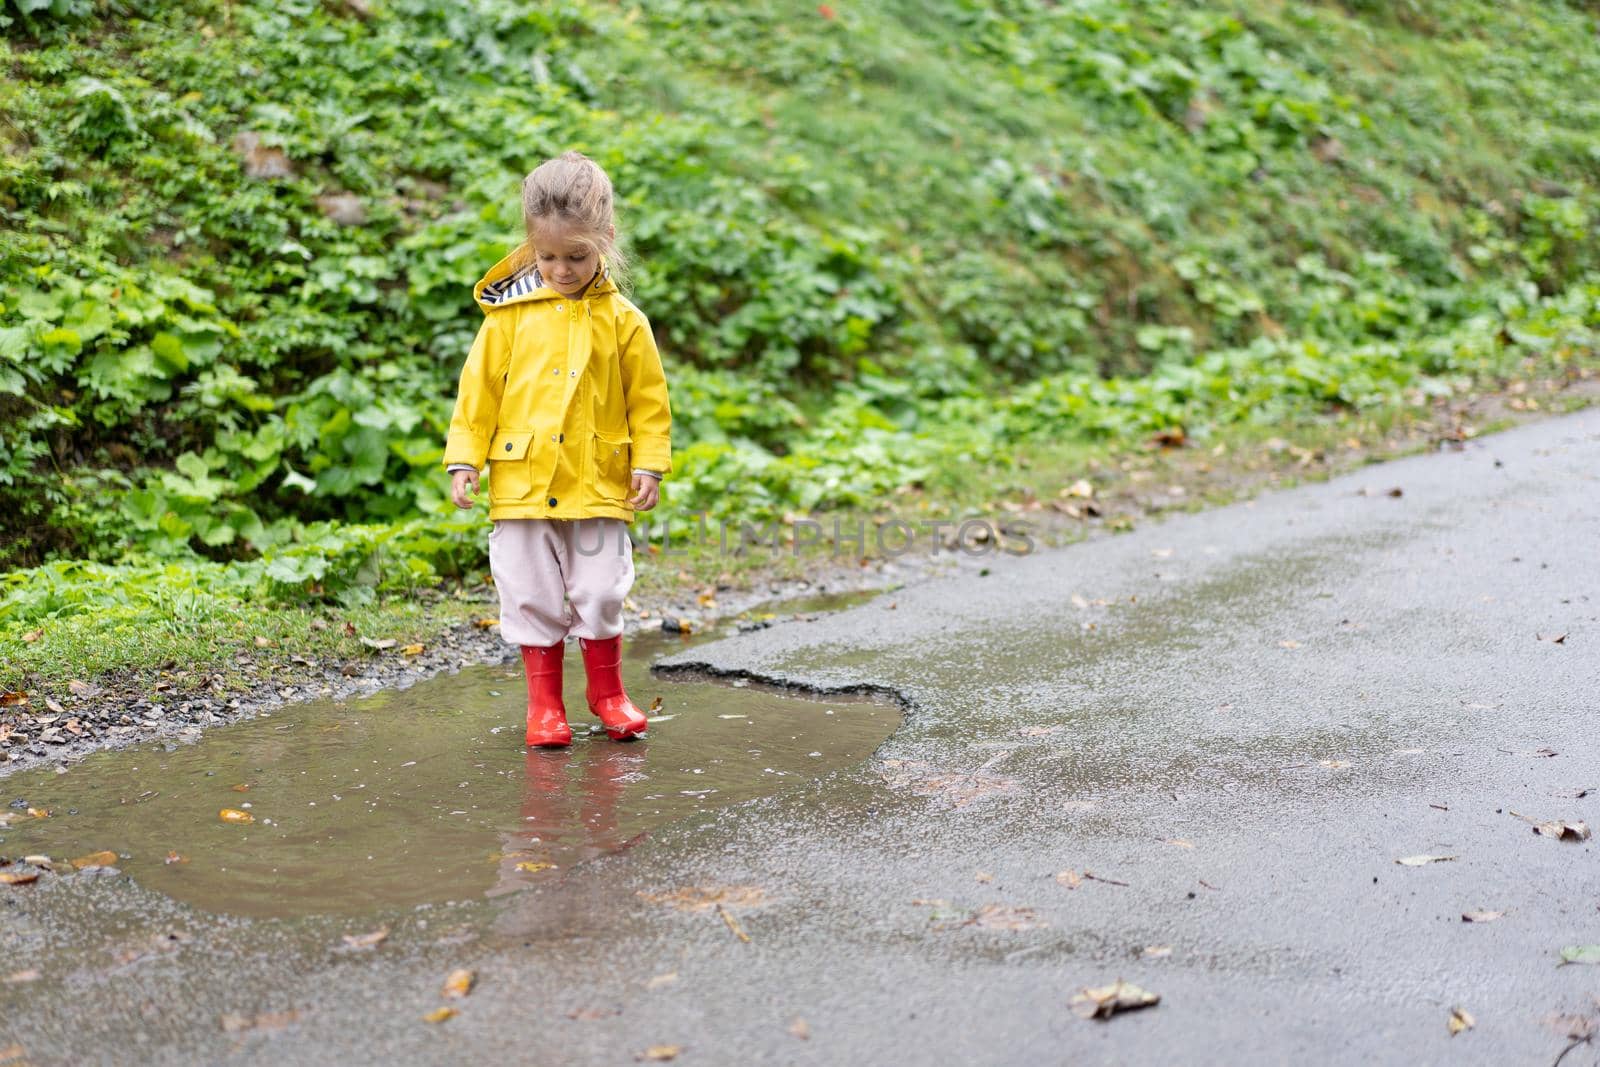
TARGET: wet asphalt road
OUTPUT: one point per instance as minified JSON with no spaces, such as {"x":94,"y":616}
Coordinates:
{"x":1246,"y":716}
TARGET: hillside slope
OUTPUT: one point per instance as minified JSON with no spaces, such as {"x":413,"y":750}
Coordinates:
{"x":240,"y":236}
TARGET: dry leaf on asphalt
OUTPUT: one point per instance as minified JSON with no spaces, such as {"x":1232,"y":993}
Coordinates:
{"x":1460,"y":1019}
{"x":1157,"y":952}
{"x":1069,"y":879}
{"x":706,"y":897}
{"x":234,"y":1022}
{"x":235,"y":815}
{"x":662,"y":980}
{"x":1580,"y":954}
{"x":590,"y":1015}
{"x":659,"y":1053}
{"x":1563,"y":831}
{"x":1480,"y":916}
{"x":800,"y":1029}
{"x":439,"y":1015}
{"x":1421,"y":861}
{"x":1002,"y":917}
{"x":459,"y":984}
{"x":368,"y":940}
{"x":1106,"y":1001}
{"x":96,"y":859}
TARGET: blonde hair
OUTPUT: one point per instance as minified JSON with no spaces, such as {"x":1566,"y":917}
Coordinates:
{"x":572,"y":189}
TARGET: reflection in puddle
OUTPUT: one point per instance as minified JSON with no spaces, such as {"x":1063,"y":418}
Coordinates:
{"x":426,"y":794}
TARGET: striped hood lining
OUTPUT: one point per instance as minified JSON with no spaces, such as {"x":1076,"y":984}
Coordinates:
{"x":527,"y":281}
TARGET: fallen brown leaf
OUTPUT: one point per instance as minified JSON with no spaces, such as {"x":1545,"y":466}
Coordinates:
{"x":32,"y":974}
{"x":1105,"y":1001}
{"x":1480,"y":916}
{"x":439,"y":1015}
{"x":800,"y":1029}
{"x":659,"y":1053}
{"x":1563,"y":831}
{"x":234,"y":1023}
{"x":371,"y":939}
{"x":459,"y":983}
{"x":704,"y":898}
{"x":1460,"y":1019}
{"x":412,"y":650}
{"x":1002,"y":917}
{"x":1419,"y":861}
{"x":18,"y":877}
{"x":12,"y":698}
{"x":33,"y":635}
{"x":592,"y":1014}
{"x":235,"y":815}
{"x":484,"y":624}
{"x":534,"y":867}
{"x":1069,"y":879}
{"x":983,"y":876}
{"x":173,"y":857}
{"x":1157,"y":952}
{"x":96,"y":859}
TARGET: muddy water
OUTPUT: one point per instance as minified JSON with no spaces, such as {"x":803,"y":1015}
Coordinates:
{"x":425,"y":794}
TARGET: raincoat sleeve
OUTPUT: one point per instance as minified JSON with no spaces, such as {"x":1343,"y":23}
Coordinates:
{"x":483,"y":381}
{"x":644,"y":386}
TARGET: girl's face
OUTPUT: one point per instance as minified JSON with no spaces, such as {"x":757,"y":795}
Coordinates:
{"x":567,"y":264}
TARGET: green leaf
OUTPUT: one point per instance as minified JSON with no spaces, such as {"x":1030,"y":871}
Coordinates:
{"x":169,"y":350}
{"x":1580,"y":954}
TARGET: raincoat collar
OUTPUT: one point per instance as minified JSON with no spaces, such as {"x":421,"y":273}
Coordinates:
{"x":502,"y":286}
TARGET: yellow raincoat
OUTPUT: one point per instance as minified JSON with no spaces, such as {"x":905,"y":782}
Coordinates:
{"x":563,"y":396}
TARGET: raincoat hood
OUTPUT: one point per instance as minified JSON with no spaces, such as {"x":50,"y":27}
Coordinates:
{"x":504,"y":285}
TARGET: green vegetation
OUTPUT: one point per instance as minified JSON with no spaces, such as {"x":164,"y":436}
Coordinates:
{"x":884,"y":246}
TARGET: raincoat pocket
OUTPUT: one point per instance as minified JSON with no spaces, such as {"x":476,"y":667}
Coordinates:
{"x":510,"y":469}
{"x":613,"y":461}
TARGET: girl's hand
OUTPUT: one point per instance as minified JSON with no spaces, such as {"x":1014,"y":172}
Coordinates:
{"x":458,"y":487}
{"x":646,"y":492}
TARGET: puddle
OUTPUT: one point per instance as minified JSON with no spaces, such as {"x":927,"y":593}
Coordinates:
{"x":426,"y":794}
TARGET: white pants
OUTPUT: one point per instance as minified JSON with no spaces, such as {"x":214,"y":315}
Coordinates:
{"x":558,"y":577}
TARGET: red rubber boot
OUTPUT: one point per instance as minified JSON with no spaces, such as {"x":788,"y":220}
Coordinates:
{"x":602,"y":662}
{"x":547,"y":715}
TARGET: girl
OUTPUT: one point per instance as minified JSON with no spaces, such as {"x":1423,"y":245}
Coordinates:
{"x":564,"y":396}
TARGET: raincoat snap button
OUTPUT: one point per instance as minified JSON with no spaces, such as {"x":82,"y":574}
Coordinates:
{"x":508,"y":446}
{"x":558,"y":307}
{"x":552,"y":501}
{"x":556,"y":371}
{"x":563,"y":437}
{"x":574,"y":374}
